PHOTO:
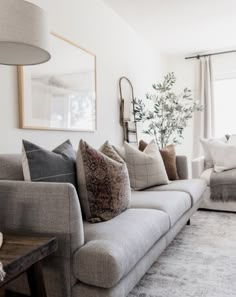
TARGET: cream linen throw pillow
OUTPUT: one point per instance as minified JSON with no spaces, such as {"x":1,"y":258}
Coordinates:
{"x":206,"y":149}
{"x":223,"y":155}
{"x":146,"y":169}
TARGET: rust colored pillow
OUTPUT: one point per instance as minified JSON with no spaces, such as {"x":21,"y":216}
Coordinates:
{"x":169,"y":159}
{"x":142,"y":145}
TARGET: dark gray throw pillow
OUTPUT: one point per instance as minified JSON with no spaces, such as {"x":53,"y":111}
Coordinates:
{"x":45,"y":166}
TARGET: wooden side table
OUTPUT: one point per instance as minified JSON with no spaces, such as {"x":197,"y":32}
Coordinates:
{"x":20,"y":254}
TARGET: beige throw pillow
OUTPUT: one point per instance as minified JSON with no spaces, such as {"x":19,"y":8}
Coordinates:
{"x":103,"y":182}
{"x":146,"y":169}
{"x":169,"y":158}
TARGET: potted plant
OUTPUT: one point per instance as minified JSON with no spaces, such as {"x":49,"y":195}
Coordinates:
{"x":165,"y":113}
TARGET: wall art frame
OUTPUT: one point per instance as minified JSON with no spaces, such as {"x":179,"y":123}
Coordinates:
{"x":61,"y":94}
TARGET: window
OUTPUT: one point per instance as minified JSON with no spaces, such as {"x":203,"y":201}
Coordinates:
{"x":225,"y":106}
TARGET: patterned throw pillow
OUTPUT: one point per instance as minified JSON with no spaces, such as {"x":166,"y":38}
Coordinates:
{"x":146,"y":169}
{"x":103,"y":181}
{"x":42,"y":165}
{"x":169,"y":158}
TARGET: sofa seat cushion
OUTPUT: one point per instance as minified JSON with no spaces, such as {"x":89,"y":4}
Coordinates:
{"x":194,"y":187}
{"x":175,"y":204}
{"x":112,"y":248}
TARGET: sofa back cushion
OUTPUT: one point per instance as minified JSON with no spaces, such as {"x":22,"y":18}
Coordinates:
{"x":11,"y":167}
{"x":103,"y":182}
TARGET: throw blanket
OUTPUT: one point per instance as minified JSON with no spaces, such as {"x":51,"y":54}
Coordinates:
{"x":223,"y":185}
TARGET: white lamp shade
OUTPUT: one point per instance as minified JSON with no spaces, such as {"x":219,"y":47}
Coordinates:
{"x":24,"y":33}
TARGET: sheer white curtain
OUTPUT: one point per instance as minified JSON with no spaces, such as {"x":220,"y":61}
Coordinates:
{"x":204,"y":121}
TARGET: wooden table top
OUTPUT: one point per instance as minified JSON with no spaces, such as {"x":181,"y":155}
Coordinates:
{"x":19,"y":252}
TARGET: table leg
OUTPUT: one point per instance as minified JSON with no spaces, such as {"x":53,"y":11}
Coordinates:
{"x":9,"y":293}
{"x":36,"y":281}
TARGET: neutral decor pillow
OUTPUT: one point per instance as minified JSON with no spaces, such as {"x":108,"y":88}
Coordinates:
{"x":146,"y":169}
{"x":223,"y":155}
{"x":42,"y":165}
{"x":103,"y":180}
{"x":142,"y":145}
{"x":169,"y":158}
{"x":120,"y":150}
{"x":207,"y":154}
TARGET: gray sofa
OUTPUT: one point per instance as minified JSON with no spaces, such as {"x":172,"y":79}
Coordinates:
{"x":95,"y":260}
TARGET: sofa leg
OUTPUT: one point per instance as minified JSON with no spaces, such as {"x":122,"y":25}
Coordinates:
{"x":188,"y":223}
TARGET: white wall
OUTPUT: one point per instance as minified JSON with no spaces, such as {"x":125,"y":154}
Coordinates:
{"x":224,"y":66}
{"x":119,"y":50}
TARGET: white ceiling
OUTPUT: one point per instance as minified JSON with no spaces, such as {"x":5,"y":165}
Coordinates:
{"x":181,"y":26}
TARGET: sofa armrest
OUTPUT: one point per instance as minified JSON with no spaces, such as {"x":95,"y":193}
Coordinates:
{"x":182,"y":166}
{"x":198,"y":167}
{"x":43,"y":208}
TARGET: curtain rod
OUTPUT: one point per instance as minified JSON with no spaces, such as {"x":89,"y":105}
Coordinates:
{"x":212,"y":54}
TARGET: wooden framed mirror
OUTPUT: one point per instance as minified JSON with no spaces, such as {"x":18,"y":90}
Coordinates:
{"x":60,"y":94}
